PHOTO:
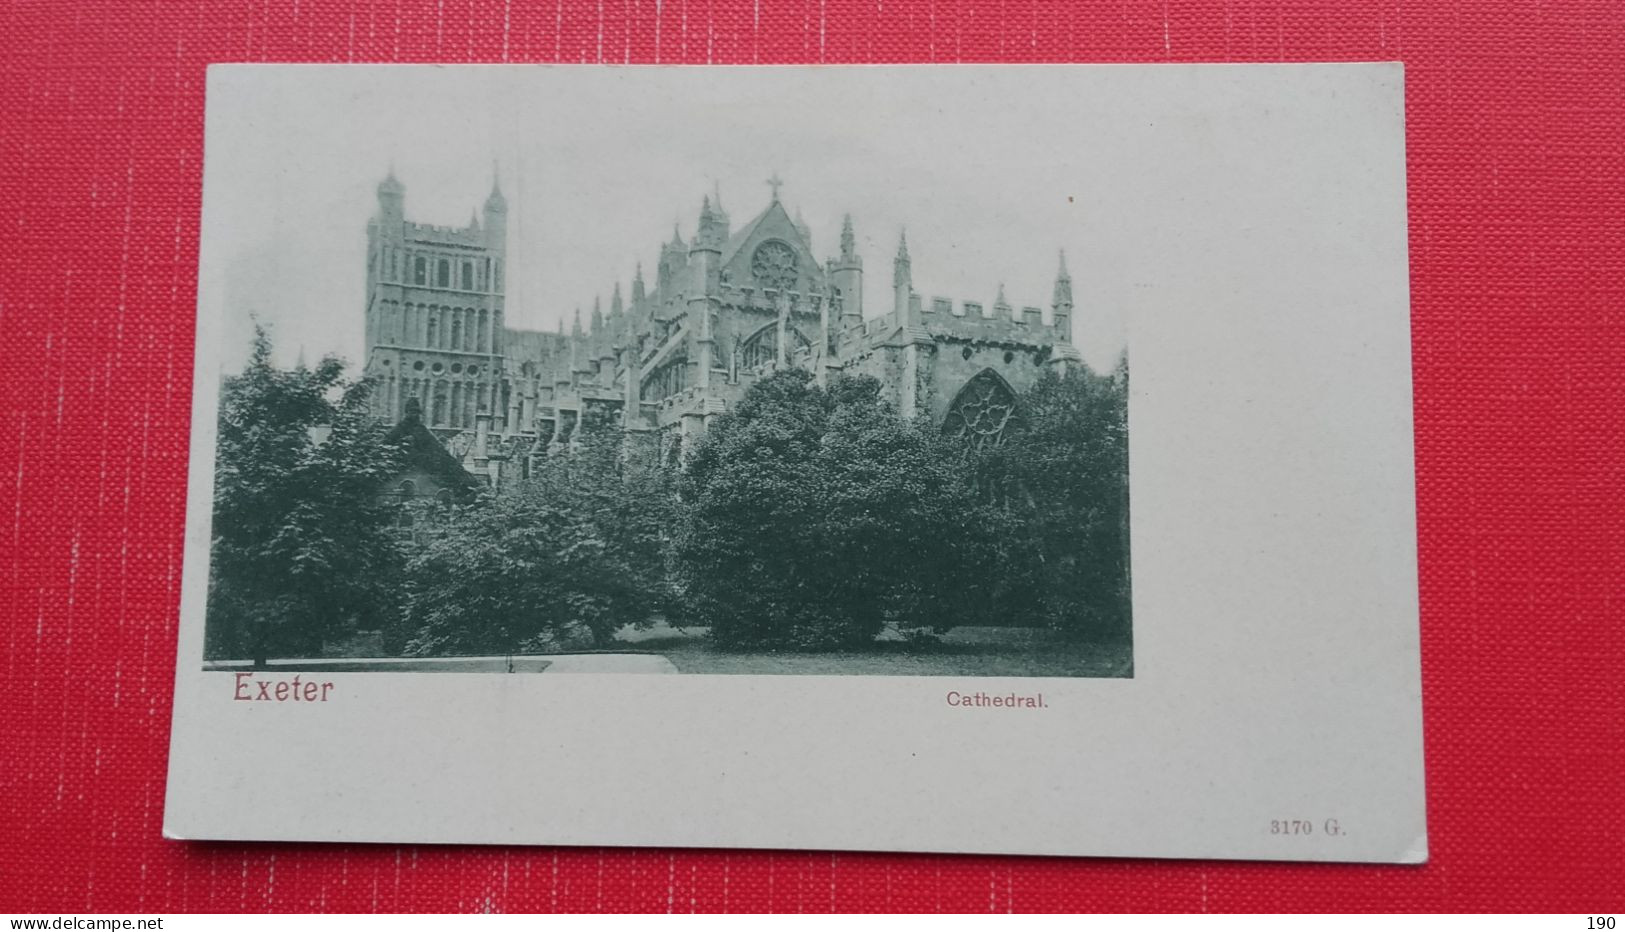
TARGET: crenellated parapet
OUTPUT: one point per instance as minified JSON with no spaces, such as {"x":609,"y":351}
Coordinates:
{"x":472,"y":237}
{"x":998,"y":322}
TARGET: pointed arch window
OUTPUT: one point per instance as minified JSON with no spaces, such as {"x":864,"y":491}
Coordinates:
{"x":983,"y":414}
{"x":668,"y":380}
{"x":763,"y":345}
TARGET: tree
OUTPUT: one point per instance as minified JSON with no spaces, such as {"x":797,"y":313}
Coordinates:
{"x":301,"y":552}
{"x":813,"y":517}
{"x":1060,"y":484}
{"x":572,"y":554}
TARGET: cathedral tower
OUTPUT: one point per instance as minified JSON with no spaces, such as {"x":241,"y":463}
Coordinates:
{"x":704,"y":262}
{"x":848,"y":273}
{"x":902,"y":280}
{"x":496,"y":217}
{"x":391,"y":201}
{"x":1061,"y":303}
{"x":434,"y":311}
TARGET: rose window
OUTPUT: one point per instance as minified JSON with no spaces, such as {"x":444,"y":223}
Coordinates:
{"x":774,"y":266}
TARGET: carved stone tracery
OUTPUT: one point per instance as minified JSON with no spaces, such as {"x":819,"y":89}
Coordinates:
{"x":773,"y":265}
{"x":983,"y":413}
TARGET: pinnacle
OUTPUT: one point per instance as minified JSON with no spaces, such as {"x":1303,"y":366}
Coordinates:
{"x":390,"y":182}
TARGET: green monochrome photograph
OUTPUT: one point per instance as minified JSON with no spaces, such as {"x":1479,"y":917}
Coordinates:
{"x":533,"y":398}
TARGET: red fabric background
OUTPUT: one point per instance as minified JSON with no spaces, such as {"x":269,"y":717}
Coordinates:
{"x":1517,"y":168}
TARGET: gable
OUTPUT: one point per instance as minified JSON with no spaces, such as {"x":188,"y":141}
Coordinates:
{"x":424,"y":456}
{"x":773,"y":224}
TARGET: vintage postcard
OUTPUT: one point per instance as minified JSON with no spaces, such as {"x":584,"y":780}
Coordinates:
{"x":962,"y":459}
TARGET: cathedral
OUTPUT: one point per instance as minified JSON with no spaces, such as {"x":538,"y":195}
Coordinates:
{"x":728,"y":305}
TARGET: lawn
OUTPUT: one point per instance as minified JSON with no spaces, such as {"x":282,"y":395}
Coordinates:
{"x":693,"y":655}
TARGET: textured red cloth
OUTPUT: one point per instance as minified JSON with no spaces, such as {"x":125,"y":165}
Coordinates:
{"x":1516,"y":147}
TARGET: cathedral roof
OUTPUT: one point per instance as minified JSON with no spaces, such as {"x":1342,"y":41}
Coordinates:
{"x":423,"y":451}
{"x":747,"y":233}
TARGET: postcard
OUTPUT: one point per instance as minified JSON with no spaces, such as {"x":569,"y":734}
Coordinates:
{"x":1008,"y":459}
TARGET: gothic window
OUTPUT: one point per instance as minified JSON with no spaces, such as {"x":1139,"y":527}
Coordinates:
{"x":420,"y":271}
{"x":484,"y":329}
{"x":497,"y":284}
{"x":773,"y":265}
{"x":468,"y":276}
{"x":433,"y":329}
{"x":667,"y":380}
{"x":983,"y":413}
{"x":763,"y":346}
{"x":442,"y":273}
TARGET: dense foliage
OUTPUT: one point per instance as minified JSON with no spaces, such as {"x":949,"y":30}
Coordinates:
{"x":807,"y":518}
{"x":814,"y":517}
{"x":301,"y":549}
{"x":559,"y":561}
{"x":1057,"y":496}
